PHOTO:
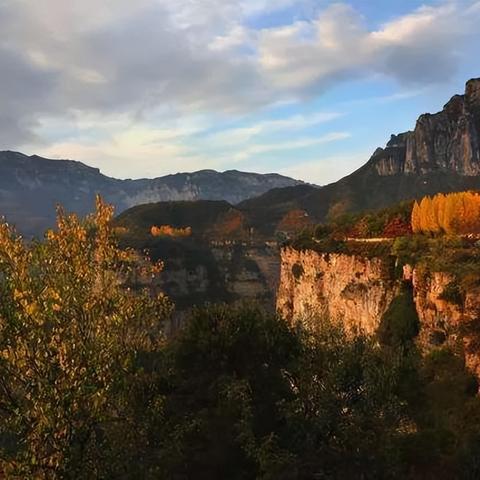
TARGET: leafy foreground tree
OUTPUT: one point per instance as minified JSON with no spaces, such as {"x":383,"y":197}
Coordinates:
{"x":249,"y":397}
{"x":73,"y":394}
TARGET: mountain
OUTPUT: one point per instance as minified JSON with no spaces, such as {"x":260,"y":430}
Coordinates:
{"x":227,"y":256}
{"x":442,"y":154}
{"x":31,"y":187}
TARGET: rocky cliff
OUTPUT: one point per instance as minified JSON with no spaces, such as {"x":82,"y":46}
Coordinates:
{"x":447,"y":141}
{"x":358,"y":292}
{"x":217,"y":272}
{"x":441,"y":154}
{"x":355,"y":290}
{"x":446,"y":319}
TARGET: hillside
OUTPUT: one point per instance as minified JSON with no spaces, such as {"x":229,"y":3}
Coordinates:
{"x":442,"y":154}
{"x":31,"y":187}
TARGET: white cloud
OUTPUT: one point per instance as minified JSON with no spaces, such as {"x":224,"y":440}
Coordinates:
{"x":325,"y":170}
{"x":290,"y":125}
{"x":117,"y":63}
{"x":257,"y":149}
{"x":421,"y":47}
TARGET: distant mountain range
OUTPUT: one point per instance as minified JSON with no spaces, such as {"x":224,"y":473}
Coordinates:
{"x":31,"y":187}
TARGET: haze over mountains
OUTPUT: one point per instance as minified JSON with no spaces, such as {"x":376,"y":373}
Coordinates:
{"x":31,"y":187}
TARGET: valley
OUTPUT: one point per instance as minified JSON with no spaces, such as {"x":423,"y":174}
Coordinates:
{"x":239,"y":240}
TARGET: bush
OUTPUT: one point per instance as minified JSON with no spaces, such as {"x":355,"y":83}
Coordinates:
{"x":298,"y":271}
{"x":400,"y":324}
{"x":452,"y":294}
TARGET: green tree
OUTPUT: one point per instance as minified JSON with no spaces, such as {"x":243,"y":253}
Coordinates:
{"x":224,"y":390}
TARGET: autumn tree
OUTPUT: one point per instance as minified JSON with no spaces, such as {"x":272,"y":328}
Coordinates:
{"x":455,"y":213}
{"x":416,"y":222}
{"x":71,"y":341}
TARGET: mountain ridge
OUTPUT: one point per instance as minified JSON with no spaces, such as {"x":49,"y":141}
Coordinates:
{"x":31,"y":187}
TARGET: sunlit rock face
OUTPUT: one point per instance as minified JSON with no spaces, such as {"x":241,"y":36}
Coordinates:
{"x":443,"y":321}
{"x":448,"y":141}
{"x":358,"y":292}
{"x":354,"y":290}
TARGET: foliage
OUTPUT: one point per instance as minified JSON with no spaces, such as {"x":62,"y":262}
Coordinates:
{"x":400,"y":324}
{"x":226,"y":384}
{"x":169,"y":231}
{"x":452,"y":293}
{"x":298,"y":271}
{"x":455,"y":213}
{"x":249,"y":397}
{"x":446,"y":409}
{"x":70,"y":339}
{"x":90,"y":388}
{"x":386,"y":223}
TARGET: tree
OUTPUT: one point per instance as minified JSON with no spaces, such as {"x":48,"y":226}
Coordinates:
{"x":248,"y":396}
{"x":224,"y":390}
{"x":455,"y":213}
{"x":428,"y":219}
{"x":71,"y":339}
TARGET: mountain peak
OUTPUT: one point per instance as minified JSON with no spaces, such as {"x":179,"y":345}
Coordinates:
{"x":472,"y":92}
{"x":447,"y":141}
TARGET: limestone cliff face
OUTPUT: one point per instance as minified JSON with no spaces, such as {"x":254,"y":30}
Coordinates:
{"x":358,"y":291}
{"x":444,"y":321}
{"x":352,"y":289}
{"x":447,"y":141}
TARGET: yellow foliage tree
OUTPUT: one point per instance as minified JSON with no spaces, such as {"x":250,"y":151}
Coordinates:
{"x":416,"y":221}
{"x":455,"y":213}
{"x":169,"y":231}
{"x":70,"y":338}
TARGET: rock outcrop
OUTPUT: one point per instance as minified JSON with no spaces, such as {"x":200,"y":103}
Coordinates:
{"x":354,"y":290}
{"x":447,"y":141}
{"x":444,"y":320}
{"x":217,"y":272}
{"x":358,"y":292}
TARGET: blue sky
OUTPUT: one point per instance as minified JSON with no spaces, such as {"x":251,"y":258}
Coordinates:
{"x":308,"y":88}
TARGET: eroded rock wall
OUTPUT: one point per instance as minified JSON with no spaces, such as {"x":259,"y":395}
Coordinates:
{"x":446,"y":141}
{"x":352,"y":289}
{"x":444,"y":320}
{"x":358,"y":291}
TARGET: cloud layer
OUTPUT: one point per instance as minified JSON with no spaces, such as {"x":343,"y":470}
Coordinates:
{"x":132,"y":65}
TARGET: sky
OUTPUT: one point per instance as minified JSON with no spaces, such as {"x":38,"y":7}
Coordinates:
{"x":305,"y":88}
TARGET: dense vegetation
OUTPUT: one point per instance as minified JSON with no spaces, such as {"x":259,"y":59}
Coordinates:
{"x":90,"y":387}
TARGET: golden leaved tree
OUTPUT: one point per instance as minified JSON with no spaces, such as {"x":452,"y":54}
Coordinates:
{"x":455,"y":213}
{"x":71,"y":336}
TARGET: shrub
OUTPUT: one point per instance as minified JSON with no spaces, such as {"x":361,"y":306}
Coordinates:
{"x":400,"y":324}
{"x":298,"y":271}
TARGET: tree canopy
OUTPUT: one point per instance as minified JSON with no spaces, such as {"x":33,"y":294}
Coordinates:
{"x":454,"y":213}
